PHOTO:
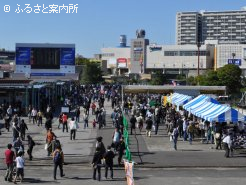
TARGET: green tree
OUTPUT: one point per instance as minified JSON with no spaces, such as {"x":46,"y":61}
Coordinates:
{"x":191,"y":80}
{"x":210,"y":79}
{"x":80,"y":60}
{"x":230,"y":76}
{"x":158,"y":78}
{"x":91,"y":73}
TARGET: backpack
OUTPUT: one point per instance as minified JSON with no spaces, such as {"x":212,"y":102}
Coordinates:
{"x":57,"y":158}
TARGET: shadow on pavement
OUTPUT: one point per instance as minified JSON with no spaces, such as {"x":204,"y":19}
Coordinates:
{"x":77,"y":178}
{"x":32,"y":180}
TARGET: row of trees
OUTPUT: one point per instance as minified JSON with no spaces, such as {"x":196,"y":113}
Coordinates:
{"x":229,"y":76}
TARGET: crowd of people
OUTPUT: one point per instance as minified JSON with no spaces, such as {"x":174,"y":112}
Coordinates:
{"x":144,"y":112}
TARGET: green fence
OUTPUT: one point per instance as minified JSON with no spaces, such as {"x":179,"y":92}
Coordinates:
{"x":128,"y":154}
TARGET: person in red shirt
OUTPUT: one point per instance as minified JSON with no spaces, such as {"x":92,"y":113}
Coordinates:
{"x":9,"y":160}
{"x":93,"y":107}
{"x":64,"y":122}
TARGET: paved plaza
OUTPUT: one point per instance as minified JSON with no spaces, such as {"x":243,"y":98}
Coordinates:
{"x":156,"y":161}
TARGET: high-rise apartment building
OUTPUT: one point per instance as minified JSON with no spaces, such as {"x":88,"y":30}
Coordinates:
{"x":224,"y":26}
{"x":188,"y":28}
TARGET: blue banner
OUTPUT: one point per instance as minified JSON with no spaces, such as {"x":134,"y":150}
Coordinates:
{"x":235,"y":61}
{"x":67,"y":56}
{"x":23,"y":56}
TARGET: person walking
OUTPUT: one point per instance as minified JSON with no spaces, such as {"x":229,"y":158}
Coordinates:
{"x":100,"y":145}
{"x":77,"y":114}
{"x":58,"y":159}
{"x":49,"y":138}
{"x":190,"y":132}
{"x":149,"y":124}
{"x":175,"y":135}
{"x":34,"y":115}
{"x":157,"y":123}
{"x":18,"y":146}
{"x":86,"y":120}
{"x":16,"y":131}
{"x":133,"y":121}
{"x":116,"y":139}
{"x":10,"y":112}
{"x":40,"y":118}
{"x":109,"y":162}
{"x":96,"y":163}
{"x":60,"y":120}
{"x":48,"y":124}
{"x":31,"y":144}
{"x":7,"y":122}
{"x":23,"y":128}
{"x":9,"y":160}
{"x":20,"y":162}
{"x":73,"y":125}
{"x":64,"y":122}
{"x":140,"y":122}
{"x":218,"y":136}
{"x":227,"y":142}
{"x":121,"y":150}
{"x":93,"y":108}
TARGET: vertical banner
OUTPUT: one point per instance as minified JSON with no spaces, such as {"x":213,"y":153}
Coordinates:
{"x":164,"y":100}
{"x":129,"y":172}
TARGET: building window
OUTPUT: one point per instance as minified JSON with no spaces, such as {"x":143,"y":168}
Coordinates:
{"x":171,"y":53}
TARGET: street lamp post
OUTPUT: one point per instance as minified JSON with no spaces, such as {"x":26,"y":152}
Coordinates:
{"x":163,"y":72}
{"x":198,"y":57}
{"x":233,"y":56}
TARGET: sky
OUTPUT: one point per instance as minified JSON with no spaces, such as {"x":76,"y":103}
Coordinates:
{"x":93,"y":24}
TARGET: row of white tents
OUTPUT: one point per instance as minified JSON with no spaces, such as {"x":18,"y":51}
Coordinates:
{"x":206,"y":108}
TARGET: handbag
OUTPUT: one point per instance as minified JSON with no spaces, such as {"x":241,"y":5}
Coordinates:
{"x":46,"y":146}
{"x":103,"y":162}
{"x":171,"y":138}
{"x":217,"y":135}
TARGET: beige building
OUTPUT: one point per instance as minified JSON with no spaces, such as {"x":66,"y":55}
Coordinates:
{"x":117,"y":59}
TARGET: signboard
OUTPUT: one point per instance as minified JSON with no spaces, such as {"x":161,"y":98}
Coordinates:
{"x":122,"y":62}
{"x":138,"y":49}
{"x":23,"y":69}
{"x":67,"y":56}
{"x":47,"y":74}
{"x":234,"y":61}
{"x":67,"y":69}
{"x":155,"y":48}
{"x":112,"y":62}
{"x":65,"y":109}
{"x":23,"y":56}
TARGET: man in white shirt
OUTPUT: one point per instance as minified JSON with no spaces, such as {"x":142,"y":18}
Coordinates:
{"x":20,"y":167}
{"x":227,"y":142}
